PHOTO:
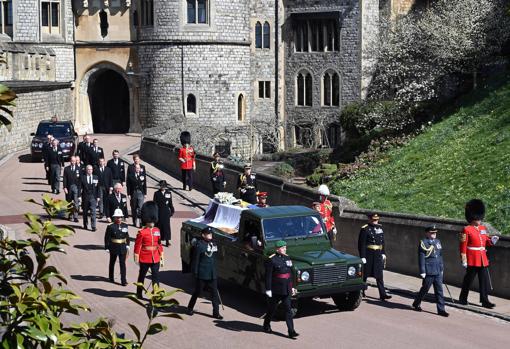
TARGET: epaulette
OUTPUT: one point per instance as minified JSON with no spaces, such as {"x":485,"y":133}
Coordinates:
{"x":271,"y":256}
{"x":366,"y":225}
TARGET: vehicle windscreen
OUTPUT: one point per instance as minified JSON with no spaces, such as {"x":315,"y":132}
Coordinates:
{"x":302,"y":226}
{"x":55,"y":129}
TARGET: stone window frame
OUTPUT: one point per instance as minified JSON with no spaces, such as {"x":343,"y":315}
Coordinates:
{"x":327,"y":26}
{"x":197,"y":104}
{"x":147,"y":16}
{"x":334,"y":102}
{"x":262,"y":35}
{"x":265,"y":87}
{"x":48,"y":29}
{"x":6,"y":29}
{"x":307,"y":97}
{"x":210,"y":24}
{"x":240,"y":113}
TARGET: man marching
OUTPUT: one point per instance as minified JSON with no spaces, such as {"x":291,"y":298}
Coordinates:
{"x":279,"y":287}
{"x":431,"y":270}
{"x":371,"y":251}
{"x":247,"y":185}
{"x":217,"y":175}
{"x":187,"y":159}
{"x":326,"y":210}
{"x":474,"y":240}
{"x":116,"y":241}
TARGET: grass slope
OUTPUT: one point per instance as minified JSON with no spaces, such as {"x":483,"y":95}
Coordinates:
{"x":465,"y":156}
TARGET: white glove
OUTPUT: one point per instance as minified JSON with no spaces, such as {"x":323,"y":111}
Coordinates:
{"x":107,"y":251}
{"x":364,"y":260}
{"x":128,"y":247}
{"x":464,"y":265}
{"x":294,"y":291}
{"x":335,"y":231}
{"x":423,"y":275}
{"x":269,"y":293}
{"x":494,"y":239}
{"x":383,"y":256}
{"x":243,"y":191}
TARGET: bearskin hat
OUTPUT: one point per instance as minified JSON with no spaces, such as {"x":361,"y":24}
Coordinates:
{"x":474,"y":210}
{"x":185,"y":137}
{"x":149,"y":212}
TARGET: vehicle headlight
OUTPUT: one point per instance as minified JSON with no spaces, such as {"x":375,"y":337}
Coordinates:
{"x":351,"y":271}
{"x":40,"y":145}
{"x":305,"y":276}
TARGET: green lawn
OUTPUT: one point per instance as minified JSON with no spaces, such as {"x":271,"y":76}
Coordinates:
{"x":465,"y":156}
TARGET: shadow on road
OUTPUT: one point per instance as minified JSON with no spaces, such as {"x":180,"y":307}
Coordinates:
{"x":36,"y":183}
{"x":107,"y":293}
{"x":386,"y":304}
{"x":239,"y":326}
{"x":89,"y":247}
{"x":36,"y":191}
{"x":25,"y":158}
{"x":90,"y":278}
{"x":35,"y":179}
{"x":312,"y":307}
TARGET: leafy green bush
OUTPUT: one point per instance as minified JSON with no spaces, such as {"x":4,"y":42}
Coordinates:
{"x":284,"y":170}
{"x":323,"y":174}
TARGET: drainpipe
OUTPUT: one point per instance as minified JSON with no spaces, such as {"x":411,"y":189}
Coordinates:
{"x":276,"y":66}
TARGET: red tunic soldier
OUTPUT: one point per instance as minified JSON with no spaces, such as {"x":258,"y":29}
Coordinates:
{"x":262,"y":199}
{"x":474,"y":240}
{"x":148,"y":249}
{"x":326,"y":211}
{"x":187,"y":159}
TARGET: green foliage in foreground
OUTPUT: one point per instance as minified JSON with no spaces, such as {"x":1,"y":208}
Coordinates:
{"x":465,"y":156}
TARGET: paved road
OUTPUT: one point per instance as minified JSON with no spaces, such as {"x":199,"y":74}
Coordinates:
{"x":374,"y":324}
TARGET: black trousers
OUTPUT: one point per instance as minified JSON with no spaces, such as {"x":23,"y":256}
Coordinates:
{"x":483,"y":282}
{"x":199,"y":286}
{"x":437,"y":281}
{"x":380,"y":285}
{"x":187,"y":179}
{"x":144,"y":268}
{"x":122,"y":263}
{"x":271,"y":308}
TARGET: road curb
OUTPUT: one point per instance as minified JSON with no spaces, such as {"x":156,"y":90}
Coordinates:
{"x":431,"y":298}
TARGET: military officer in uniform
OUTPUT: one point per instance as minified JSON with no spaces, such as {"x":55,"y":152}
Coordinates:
{"x":326,"y":211}
{"x":116,"y":200}
{"x":372,"y":253}
{"x":262,"y":199}
{"x":89,"y":197}
{"x":116,"y":241}
{"x":474,"y":240}
{"x":137,"y":192}
{"x":148,"y":249}
{"x":217,"y":175}
{"x":187,"y":159}
{"x":279,"y":287}
{"x":204,"y":271}
{"x":72,"y":186}
{"x":247,"y":185}
{"x":117,"y":167}
{"x":163,"y":197}
{"x":54,"y":162}
{"x":430,"y":260}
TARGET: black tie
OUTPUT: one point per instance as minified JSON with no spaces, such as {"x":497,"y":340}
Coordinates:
{"x":90,"y":180}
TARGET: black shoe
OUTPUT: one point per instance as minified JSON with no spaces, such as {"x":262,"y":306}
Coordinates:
{"x":167,"y":243}
{"x":463,"y":302}
{"x":75,"y":220}
{"x":190,"y":312}
{"x":443,"y":313}
{"x":111,"y":280}
{"x":293,"y":334}
{"x":85,"y":227}
{"x":385,"y":297}
{"x":58,"y":192}
{"x":416,"y":308}
{"x":363,"y":294}
{"x":218,"y":316}
{"x":124,"y":283}
{"x":267,"y":329}
{"x":139,"y":296}
{"x":93,"y":229}
{"x":488,"y":305}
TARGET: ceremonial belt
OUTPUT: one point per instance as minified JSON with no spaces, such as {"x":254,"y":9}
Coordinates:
{"x":476,"y":248}
{"x":150,"y":248}
{"x":119,"y":241}
{"x":375,"y":247}
{"x":282,"y":276}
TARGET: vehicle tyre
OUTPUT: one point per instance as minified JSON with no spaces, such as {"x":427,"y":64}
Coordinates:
{"x":348,"y":301}
{"x":185,"y":267}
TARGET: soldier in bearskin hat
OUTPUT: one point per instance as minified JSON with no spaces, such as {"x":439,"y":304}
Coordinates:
{"x":474,"y":240}
{"x":187,"y":159}
{"x":148,"y":249}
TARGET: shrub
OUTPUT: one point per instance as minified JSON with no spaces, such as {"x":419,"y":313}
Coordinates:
{"x":323,"y":174}
{"x":284,"y":170}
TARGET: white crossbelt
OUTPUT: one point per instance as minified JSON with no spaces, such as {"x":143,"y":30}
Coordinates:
{"x":476,"y":248}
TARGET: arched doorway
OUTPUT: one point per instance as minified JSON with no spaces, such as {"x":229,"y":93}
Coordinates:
{"x":109,"y":102}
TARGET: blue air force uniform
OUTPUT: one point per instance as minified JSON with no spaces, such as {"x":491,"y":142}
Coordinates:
{"x":431,"y":266}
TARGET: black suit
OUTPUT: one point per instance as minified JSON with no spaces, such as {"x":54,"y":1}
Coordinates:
{"x":89,"y":195}
{"x":44,"y":153}
{"x":165,"y":211}
{"x":112,"y":242}
{"x":279,"y":282}
{"x":83,"y":152}
{"x":136,"y":189}
{"x":131,"y":169}
{"x":72,"y":183}
{"x":54,"y":161}
{"x":94,"y":154}
{"x":112,"y":203}
{"x":104,"y":175}
{"x":118,"y":170}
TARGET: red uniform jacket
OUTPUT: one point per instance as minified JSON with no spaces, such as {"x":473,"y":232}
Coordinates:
{"x":327,"y":214}
{"x":148,"y":245}
{"x":188,"y":154}
{"x":473,"y":242}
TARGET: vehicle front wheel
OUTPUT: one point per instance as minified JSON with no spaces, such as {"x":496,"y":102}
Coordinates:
{"x":347,"y":301}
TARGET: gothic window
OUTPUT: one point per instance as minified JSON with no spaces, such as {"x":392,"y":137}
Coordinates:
{"x":147,"y":12}
{"x":331,"y":89}
{"x":198,"y":11}
{"x":264,"y":89}
{"x":318,"y":35}
{"x":6,"y":16}
{"x":50,"y":16}
{"x":304,"y":84}
{"x":103,"y":23}
{"x":258,"y":35}
{"x":241,"y":107}
{"x":267,"y":35}
{"x":191,"y":104}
